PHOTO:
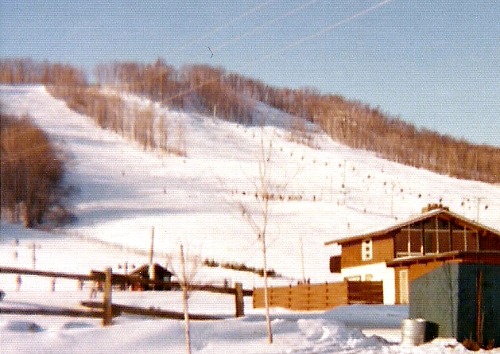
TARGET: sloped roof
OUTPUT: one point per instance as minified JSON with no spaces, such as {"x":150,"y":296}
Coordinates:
{"x":144,"y":270}
{"x":422,"y":217}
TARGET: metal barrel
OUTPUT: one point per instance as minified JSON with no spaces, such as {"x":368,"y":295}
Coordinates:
{"x":413,"y":331}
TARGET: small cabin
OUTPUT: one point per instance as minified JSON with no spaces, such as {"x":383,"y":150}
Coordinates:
{"x":151,"y":277}
{"x":399,"y":254}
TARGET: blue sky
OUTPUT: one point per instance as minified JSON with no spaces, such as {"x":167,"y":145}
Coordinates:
{"x":432,"y":63}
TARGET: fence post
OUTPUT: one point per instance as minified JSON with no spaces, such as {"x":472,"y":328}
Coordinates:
{"x":308,"y":297}
{"x":238,"y":298}
{"x":107,"y":316}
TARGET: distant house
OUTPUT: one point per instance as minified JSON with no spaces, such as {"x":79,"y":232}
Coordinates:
{"x":145,"y":276}
{"x":401,"y":253}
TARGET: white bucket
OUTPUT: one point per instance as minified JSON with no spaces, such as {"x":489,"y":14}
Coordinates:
{"x":413,"y":331}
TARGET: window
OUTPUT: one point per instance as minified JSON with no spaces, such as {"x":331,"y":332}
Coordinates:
{"x":408,"y":241}
{"x":430,"y":244}
{"x":366,"y":249}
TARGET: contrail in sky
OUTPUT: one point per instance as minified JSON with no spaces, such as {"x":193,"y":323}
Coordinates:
{"x":217,"y":29}
{"x":256,"y":29}
{"x":323,"y":31}
{"x":296,"y":43}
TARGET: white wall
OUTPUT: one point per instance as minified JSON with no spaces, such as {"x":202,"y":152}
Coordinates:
{"x":375,"y":272}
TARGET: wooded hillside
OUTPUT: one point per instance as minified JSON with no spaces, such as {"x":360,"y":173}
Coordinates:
{"x":233,"y":97}
{"x":31,"y":172}
{"x":350,"y":122}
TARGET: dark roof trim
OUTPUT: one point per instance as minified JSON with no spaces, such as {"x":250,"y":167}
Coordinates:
{"x":145,"y":269}
{"x":419,"y":218}
{"x":476,"y":256}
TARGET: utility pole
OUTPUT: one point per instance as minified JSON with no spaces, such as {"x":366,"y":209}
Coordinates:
{"x":302,"y":260}
{"x":331,"y":187}
{"x":343,"y":176}
{"x":151,"y":249}
{"x":34,"y":246}
{"x":478,"y":205}
{"x":343,"y":182}
{"x":393,"y":185}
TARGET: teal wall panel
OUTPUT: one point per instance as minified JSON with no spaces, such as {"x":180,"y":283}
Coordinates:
{"x":447,"y":296}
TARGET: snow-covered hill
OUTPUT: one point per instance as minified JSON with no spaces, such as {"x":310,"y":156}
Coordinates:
{"x":122,"y":192}
{"x":321,"y":193}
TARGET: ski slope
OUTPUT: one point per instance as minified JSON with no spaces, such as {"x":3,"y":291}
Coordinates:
{"x":122,"y":192}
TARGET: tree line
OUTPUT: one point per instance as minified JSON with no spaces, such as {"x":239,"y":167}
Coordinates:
{"x":140,"y":123}
{"x":199,"y":87}
{"x":27,"y":71}
{"x":233,"y":97}
{"x":350,"y":122}
{"x":31,"y":172}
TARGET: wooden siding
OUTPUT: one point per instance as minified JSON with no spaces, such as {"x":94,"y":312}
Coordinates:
{"x":489,"y":242}
{"x":382,"y":250}
{"x":351,"y":255}
{"x":320,"y":296}
{"x":414,"y":271}
{"x":417,"y":270}
{"x":365,"y":292}
{"x":335,"y":264}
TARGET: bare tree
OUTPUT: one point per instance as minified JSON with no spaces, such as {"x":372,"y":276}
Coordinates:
{"x":185,"y":271}
{"x":259,"y":223}
{"x":180,"y":141}
{"x":163,"y":133}
{"x":185,"y":304}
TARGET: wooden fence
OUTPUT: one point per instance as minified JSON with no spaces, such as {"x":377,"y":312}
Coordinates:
{"x":41,"y":273}
{"x":321,"y":296}
{"x":120,"y":279}
{"x":108,"y":309}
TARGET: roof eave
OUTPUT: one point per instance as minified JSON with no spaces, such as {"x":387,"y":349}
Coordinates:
{"x":381,"y":233}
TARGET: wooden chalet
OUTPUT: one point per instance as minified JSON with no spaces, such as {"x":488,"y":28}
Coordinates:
{"x":399,"y":254}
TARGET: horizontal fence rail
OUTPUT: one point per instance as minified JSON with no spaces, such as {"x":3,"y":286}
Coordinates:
{"x":110,"y":310}
{"x":41,"y":273}
{"x":134,"y":310}
{"x":118,"y":279}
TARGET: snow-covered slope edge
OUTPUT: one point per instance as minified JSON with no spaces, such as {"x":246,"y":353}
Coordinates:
{"x":322,"y":193}
{"x":124,"y":191}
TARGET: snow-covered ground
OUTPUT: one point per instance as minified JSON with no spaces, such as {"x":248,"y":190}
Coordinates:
{"x":121,"y":192}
